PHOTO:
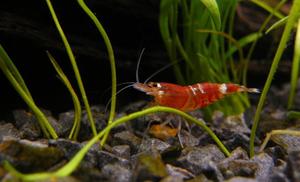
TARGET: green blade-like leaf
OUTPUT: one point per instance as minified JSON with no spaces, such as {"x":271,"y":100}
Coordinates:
{"x":213,"y":8}
{"x":12,"y":74}
{"x":277,"y":24}
{"x":243,"y":42}
{"x":74,"y":66}
{"x":293,"y":18}
{"x":111,"y":57}
{"x":13,"y":69}
{"x":76,"y":102}
{"x":268,"y":8}
{"x":293,"y":115}
{"x":295,"y":68}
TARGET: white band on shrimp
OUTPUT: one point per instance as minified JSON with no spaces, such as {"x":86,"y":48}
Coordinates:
{"x":158,"y":85}
{"x":192,"y":89}
{"x":200,"y":88}
{"x":223,"y":88}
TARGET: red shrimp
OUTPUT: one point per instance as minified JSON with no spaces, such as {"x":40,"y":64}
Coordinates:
{"x":191,"y":97}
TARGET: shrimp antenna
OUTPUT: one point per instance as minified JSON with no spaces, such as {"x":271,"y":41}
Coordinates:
{"x":122,"y":89}
{"x":138,"y":66}
{"x":119,"y":84}
{"x":160,"y":70}
{"x":130,"y":83}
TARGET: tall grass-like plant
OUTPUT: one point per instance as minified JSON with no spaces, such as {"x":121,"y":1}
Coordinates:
{"x":199,"y":32}
{"x":11,"y":72}
{"x":75,"y":161}
{"x":295,"y":68}
{"x":74,"y":65}
{"x":293,"y":18}
{"x":111,"y":60}
{"x":273,"y":12}
{"x":77,"y":107}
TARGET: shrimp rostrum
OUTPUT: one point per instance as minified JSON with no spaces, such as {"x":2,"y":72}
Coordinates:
{"x":191,"y":97}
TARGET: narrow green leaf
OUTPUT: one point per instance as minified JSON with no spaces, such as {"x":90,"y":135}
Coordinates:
{"x":76,"y":102}
{"x":13,"y":69}
{"x":12,"y":74}
{"x":268,"y":8}
{"x":111,"y":57}
{"x":277,"y":24}
{"x":74,"y":66}
{"x":293,"y":115}
{"x":295,"y":68}
{"x":293,"y":18}
{"x":243,"y":42}
{"x":213,"y":8}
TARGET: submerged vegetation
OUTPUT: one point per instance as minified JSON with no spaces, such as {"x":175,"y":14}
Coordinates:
{"x":198,"y":32}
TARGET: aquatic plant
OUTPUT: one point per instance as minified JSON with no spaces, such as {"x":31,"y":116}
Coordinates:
{"x":77,"y":107}
{"x":200,"y":33}
{"x":293,"y":18}
{"x":295,"y":68}
{"x":11,"y":72}
{"x":74,"y":66}
{"x":111,"y":58}
{"x":75,"y":161}
{"x":67,"y":169}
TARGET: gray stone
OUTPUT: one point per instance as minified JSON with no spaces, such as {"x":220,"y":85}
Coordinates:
{"x":8,"y":129}
{"x":241,"y":179}
{"x":172,"y":179}
{"x":103,"y":158}
{"x":279,"y":177}
{"x":238,"y":167}
{"x":29,"y":155}
{"x":293,"y":165}
{"x":27,"y":124}
{"x":127,"y":138}
{"x":237,"y":164}
{"x":117,"y":173}
{"x":238,"y":153}
{"x":100,"y":120}
{"x":187,"y":139}
{"x":66,"y":120}
{"x":265,"y":166}
{"x":153,"y":143}
{"x":56,"y":126}
{"x":178,"y":172}
{"x":288,"y":142}
{"x":202,"y":160}
{"x":122,"y":151}
{"x":70,"y":148}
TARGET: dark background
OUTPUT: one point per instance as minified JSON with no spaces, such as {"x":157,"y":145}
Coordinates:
{"x":27,"y":31}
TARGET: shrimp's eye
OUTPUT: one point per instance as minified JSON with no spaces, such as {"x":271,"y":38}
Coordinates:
{"x":154,"y":84}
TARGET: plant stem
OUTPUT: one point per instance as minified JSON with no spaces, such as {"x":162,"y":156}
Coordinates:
{"x":253,"y":45}
{"x":111,"y":60}
{"x":74,"y":65}
{"x":295,"y":69}
{"x":77,"y":107}
{"x":294,"y":15}
{"x":14,"y":77}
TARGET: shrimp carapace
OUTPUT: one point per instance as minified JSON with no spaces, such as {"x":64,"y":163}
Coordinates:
{"x":191,"y":97}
